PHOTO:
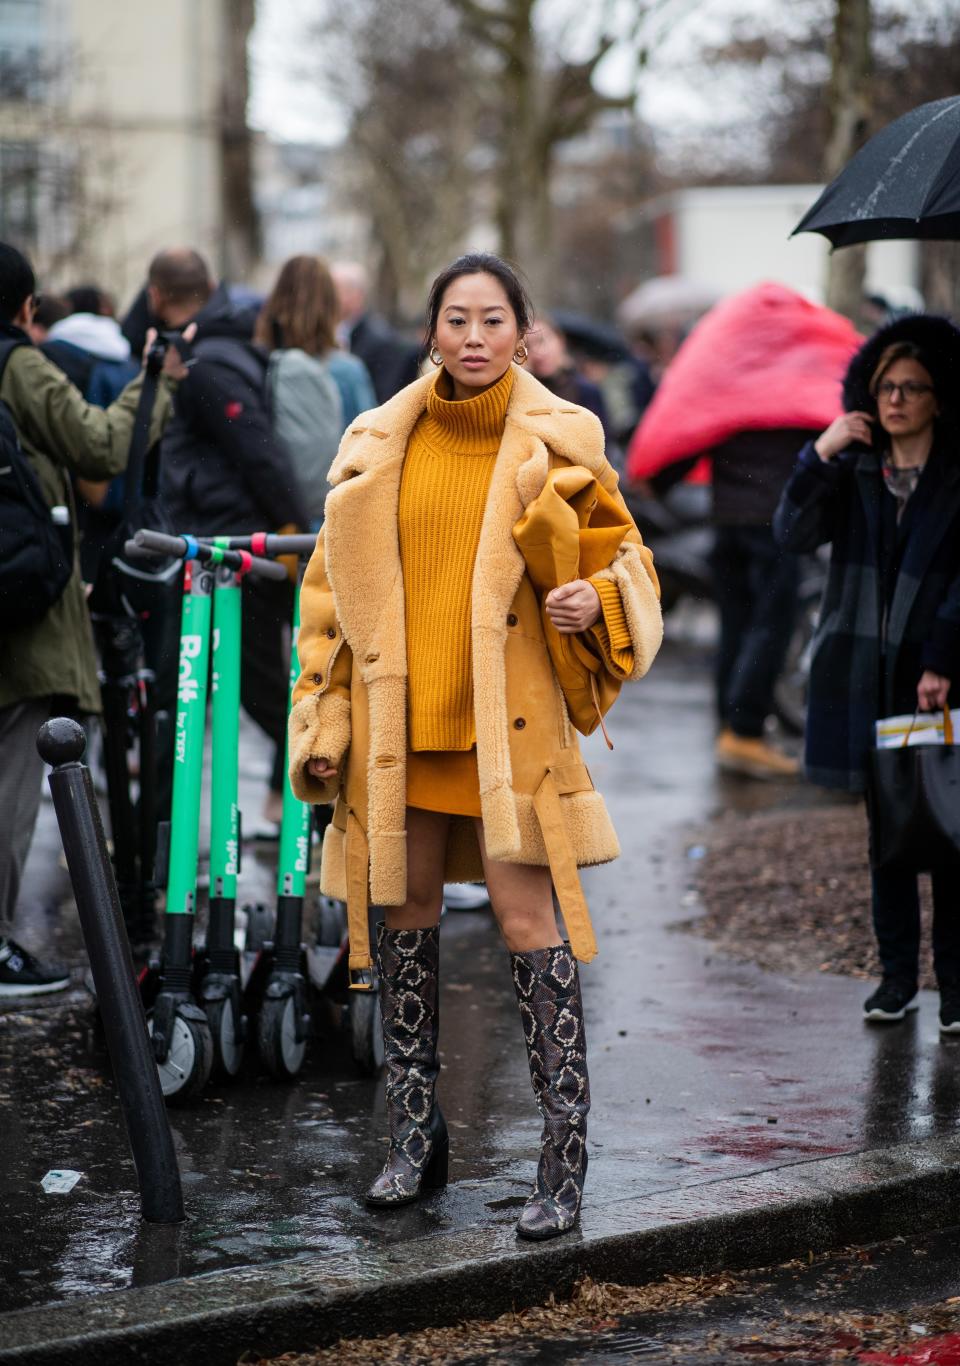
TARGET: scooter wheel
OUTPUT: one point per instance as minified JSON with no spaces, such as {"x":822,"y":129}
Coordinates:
{"x":226,"y":1030}
{"x":186,"y":1069}
{"x":280,"y":1052}
{"x":329,"y":922}
{"x":366,"y":1031}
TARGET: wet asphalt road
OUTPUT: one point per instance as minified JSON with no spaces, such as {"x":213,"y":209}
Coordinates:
{"x":700,"y":1068}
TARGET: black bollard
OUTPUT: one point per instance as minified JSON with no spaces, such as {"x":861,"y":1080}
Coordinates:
{"x":61,"y":743}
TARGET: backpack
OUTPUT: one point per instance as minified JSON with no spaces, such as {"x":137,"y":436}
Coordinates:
{"x":306,"y":413}
{"x":36,"y":551}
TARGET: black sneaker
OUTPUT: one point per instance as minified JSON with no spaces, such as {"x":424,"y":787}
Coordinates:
{"x":22,"y":975}
{"x":891,"y":1000}
{"x":950,"y":1009}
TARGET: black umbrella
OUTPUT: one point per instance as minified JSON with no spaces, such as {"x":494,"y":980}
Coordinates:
{"x":905,"y":182}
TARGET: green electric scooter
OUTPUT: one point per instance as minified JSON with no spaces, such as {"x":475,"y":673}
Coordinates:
{"x":283,"y":1020}
{"x":277,"y":986}
{"x":194,"y":1000}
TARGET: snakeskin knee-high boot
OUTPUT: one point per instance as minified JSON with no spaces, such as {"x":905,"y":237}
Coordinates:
{"x":551,"y":1009}
{"x":417,"y":1161}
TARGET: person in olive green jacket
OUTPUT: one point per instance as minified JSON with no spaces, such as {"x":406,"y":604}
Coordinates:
{"x":49,"y":665}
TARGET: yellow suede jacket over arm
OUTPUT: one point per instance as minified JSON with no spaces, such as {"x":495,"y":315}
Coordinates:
{"x":320,"y":716}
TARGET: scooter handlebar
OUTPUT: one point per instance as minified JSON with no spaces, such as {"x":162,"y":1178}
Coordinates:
{"x":266,"y":543}
{"x":159,"y":543}
{"x":147,"y":544}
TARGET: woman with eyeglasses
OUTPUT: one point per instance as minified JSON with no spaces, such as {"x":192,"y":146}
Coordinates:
{"x":882,"y":486}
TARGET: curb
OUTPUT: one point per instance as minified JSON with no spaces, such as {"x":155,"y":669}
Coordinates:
{"x":768,"y":1217}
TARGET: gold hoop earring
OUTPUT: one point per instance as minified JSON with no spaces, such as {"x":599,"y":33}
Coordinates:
{"x":435,"y":356}
{"x":521,"y":353}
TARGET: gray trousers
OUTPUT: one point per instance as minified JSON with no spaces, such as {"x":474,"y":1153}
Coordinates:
{"x":21,"y":776}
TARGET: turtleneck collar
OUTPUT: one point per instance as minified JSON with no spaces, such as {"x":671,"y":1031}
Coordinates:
{"x":473,"y":425}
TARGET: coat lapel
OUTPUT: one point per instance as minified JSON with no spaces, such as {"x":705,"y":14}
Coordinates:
{"x":361,"y":532}
{"x":538,"y":424}
{"x":939,"y":496}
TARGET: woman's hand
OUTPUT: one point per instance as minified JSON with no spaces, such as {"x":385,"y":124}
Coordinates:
{"x":842,"y":431}
{"x":932,"y":691}
{"x":573,"y":606}
{"x":322,"y":769}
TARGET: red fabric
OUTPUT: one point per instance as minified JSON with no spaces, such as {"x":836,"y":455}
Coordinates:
{"x":940,"y":1351}
{"x":759,"y":360}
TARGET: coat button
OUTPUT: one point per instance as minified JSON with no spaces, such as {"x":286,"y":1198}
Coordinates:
{"x":331,"y":633}
{"x":372,"y":659}
{"x":519,"y":723}
{"x":512,"y":618}
{"x":318,"y":678}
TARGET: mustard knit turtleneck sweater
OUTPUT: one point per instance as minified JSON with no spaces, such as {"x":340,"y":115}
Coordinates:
{"x":443,"y":495}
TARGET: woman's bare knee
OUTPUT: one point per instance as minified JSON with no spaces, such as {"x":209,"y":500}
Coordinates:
{"x":525,"y":928}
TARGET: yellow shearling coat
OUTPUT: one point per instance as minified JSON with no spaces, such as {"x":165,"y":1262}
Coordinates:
{"x":538,"y":801}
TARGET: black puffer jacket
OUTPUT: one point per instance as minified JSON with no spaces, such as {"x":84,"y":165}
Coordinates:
{"x":222,"y":471}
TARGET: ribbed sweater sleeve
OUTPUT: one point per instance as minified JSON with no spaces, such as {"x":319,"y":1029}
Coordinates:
{"x":443,"y":495}
{"x":610,"y":631}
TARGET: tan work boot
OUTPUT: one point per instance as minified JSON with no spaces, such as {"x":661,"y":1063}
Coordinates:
{"x":752,"y":757}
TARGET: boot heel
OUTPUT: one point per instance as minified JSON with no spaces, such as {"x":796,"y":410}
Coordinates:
{"x":435,"y":1172}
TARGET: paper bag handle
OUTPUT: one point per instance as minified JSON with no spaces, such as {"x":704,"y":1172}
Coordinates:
{"x":947,"y":727}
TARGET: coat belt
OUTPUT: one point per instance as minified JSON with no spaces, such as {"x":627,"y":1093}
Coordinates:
{"x":357,"y":856}
{"x":563,"y":870}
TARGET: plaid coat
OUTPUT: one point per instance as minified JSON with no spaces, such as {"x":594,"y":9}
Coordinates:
{"x":871,"y":645}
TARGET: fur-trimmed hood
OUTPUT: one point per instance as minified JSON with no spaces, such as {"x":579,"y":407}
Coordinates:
{"x":939,"y":340}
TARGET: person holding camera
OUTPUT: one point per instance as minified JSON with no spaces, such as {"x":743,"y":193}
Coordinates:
{"x":48,"y":665}
{"x":882,"y":486}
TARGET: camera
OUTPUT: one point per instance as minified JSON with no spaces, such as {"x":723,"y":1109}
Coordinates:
{"x":164,"y":340}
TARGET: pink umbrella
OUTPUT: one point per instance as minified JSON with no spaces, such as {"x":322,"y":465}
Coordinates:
{"x":762,"y":359}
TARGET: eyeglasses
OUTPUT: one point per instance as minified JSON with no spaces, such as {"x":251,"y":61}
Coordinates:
{"x":908,"y":390}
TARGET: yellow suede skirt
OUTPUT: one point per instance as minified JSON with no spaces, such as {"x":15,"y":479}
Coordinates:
{"x":444,"y":780}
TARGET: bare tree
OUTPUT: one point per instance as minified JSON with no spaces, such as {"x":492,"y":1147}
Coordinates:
{"x":241,"y":235}
{"x":538,"y":100}
{"x":414,"y":142}
{"x":849,"y":105}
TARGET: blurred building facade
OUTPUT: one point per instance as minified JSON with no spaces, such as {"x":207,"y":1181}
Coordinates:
{"x":729,"y":237}
{"x":110,"y":134}
{"x":305,"y":204}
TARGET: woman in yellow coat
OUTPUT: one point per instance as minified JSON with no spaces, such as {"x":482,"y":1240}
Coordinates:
{"x":429,"y":710}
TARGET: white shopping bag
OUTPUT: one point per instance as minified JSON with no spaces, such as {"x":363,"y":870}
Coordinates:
{"x":921,"y":728}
